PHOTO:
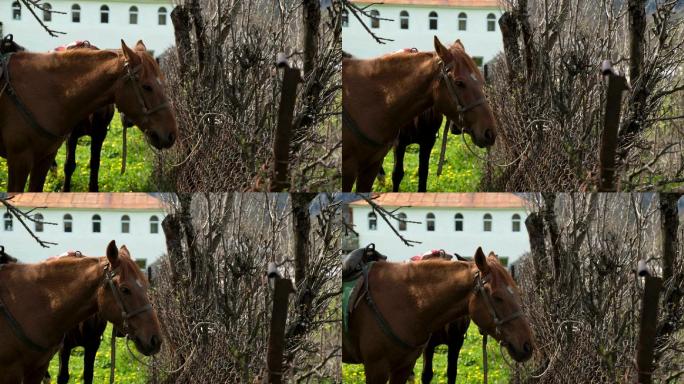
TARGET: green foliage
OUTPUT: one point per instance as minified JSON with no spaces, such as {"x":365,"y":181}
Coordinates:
{"x":128,"y":370}
{"x":461,"y":171}
{"x":139,"y":164}
{"x":469,"y":363}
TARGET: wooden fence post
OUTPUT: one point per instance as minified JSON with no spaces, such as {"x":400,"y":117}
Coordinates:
{"x":647,"y":329}
{"x":276,"y":339}
{"x":611,"y":121}
{"x":283,"y":134}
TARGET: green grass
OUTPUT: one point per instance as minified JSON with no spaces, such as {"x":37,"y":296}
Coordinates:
{"x":139,"y":164}
{"x":127,"y":371}
{"x":469,"y":363}
{"x":461,"y":171}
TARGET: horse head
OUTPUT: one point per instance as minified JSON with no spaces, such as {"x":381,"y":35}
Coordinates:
{"x":496,"y":307}
{"x":142,"y":97}
{"x":123,"y":301}
{"x":460,"y":94}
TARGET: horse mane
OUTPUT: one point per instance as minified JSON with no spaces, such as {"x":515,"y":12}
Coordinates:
{"x":501,"y":273}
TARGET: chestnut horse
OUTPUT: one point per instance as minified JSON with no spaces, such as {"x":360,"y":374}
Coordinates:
{"x":452,"y":335}
{"x":47,"y":94}
{"x":39,"y":303}
{"x":383,"y":94}
{"x":410,"y":301}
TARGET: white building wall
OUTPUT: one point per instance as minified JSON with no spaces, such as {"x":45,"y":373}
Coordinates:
{"x":140,"y":242}
{"x":502,"y":240}
{"x":477,"y":41}
{"x":30,"y":34}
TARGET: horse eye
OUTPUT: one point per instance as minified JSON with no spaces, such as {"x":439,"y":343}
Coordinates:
{"x":460,"y":83}
{"x":146,"y":87}
{"x":125,"y":291}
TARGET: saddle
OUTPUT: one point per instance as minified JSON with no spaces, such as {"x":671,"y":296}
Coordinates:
{"x":353,"y":263}
{"x":352,"y":277}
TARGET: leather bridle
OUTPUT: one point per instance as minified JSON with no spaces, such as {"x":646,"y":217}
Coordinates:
{"x":132,"y":75}
{"x":480,"y":283}
{"x":109,"y":281}
{"x":451,"y":87}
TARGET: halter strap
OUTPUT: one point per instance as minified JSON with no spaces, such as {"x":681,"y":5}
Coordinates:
{"x":16,"y":327}
{"x":349,"y":122}
{"x":451,"y":87}
{"x":23,"y":109}
{"x":109,"y":280}
{"x":382,"y":322}
{"x":132,"y":75}
{"x":479,"y":289}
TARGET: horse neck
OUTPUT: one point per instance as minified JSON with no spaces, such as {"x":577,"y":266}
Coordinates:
{"x":440,"y":290}
{"x":79,"y":82}
{"x":72,"y":287}
{"x":403,"y":86}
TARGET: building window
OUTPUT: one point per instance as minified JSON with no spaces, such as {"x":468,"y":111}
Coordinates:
{"x":125,"y":224}
{"x":38,"y":222}
{"x":402,"y":221}
{"x":16,"y":11}
{"x":430,"y":221}
{"x":403,"y":20}
{"x":97,"y":224}
{"x":47,"y":12}
{"x":104,"y":14}
{"x":458,"y":222}
{"x":133,"y":15}
{"x":487,"y":221}
{"x":372,"y":221}
{"x":345,"y":18}
{"x":433,"y":20}
{"x":75,"y":13}
{"x":375,"y":18}
{"x":7,"y":220}
{"x":491,"y":22}
{"x":462,"y":21}
{"x":68,"y":223}
{"x":516,"y":223}
{"x":162,"y":16}
{"x":154,"y":224}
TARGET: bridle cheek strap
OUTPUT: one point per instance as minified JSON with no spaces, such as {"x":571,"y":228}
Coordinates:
{"x":109,"y":279}
{"x":479,"y":289}
{"x":132,"y":75}
{"x":451,"y":87}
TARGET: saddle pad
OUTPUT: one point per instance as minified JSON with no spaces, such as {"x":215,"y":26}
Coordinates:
{"x":351,"y":295}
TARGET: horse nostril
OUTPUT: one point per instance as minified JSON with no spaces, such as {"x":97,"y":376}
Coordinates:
{"x":172,"y":137}
{"x":155,"y":341}
{"x":489,"y":135}
{"x":527,"y":347}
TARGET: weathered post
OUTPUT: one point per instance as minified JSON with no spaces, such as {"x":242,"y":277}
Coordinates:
{"x":276,"y":339}
{"x":611,"y":121}
{"x":647,"y":329}
{"x":283,"y":134}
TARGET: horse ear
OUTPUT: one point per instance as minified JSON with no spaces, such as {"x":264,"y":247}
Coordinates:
{"x":481,"y":261}
{"x":124,"y":250}
{"x":113,"y":254}
{"x":458,"y":43}
{"x":492,"y":254}
{"x":140,"y":46}
{"x":442,"y":51}
{"x":129,"y":54}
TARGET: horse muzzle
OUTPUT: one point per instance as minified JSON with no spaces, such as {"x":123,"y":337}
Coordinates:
{"x":520,"y":354}
{"x":148,"y":348}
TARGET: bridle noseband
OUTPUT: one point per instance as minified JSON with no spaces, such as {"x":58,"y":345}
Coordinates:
{"x":451,"y":87}
{"x":480,"y":290}
{"x":132,"y":75}
{"x":109,"y":280}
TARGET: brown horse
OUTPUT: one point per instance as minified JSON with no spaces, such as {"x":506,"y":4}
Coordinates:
{"x":452,"y":335}
{"x":46,"y":95}
{"x":417,"y":299}
{"x":41,"y":302}
{"x":383,"y":94}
